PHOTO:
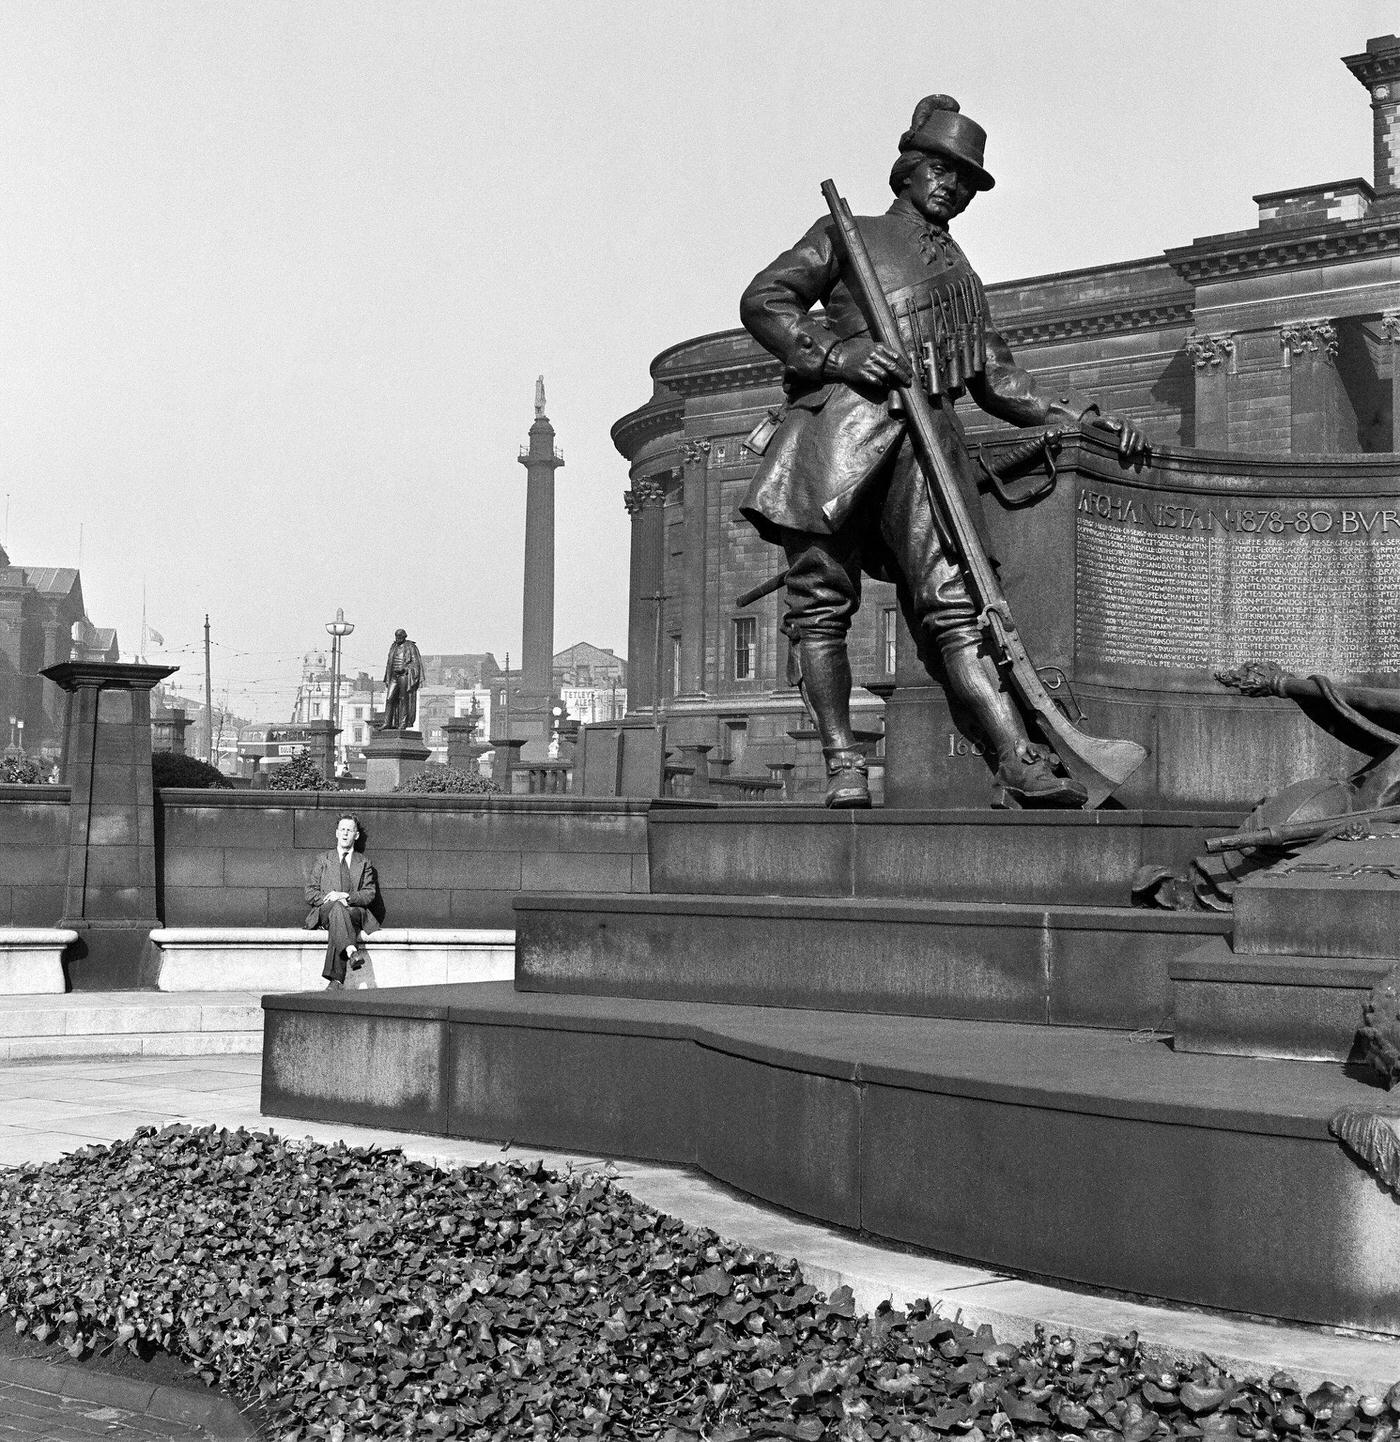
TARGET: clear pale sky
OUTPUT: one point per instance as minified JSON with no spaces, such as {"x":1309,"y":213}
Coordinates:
{"x":277,"y":276}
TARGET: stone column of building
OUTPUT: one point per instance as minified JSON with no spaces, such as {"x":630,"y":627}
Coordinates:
{"x":109,"y":895}
{"x":541,"y":459}
{"x":1378,"y":69}
{"x":1390,"y":329}
{"x":1213,"y":358}
{"x":695,"y":496}
{"x":1310,"y":353}
{"x":645,"y":601}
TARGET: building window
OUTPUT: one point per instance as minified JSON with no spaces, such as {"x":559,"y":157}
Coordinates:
{"x":745,"y":647}
{"x":889,"y":628}
{"x":675,"y":665}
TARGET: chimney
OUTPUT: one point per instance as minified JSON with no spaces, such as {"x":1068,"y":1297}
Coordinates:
{"x":1378,"y":69}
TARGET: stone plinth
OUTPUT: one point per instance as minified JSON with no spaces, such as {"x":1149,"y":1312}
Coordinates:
{"x":463,"y":749}
{"x":1313,"y":934}
{"x":109,"y":895}
{"x":392,"y":757}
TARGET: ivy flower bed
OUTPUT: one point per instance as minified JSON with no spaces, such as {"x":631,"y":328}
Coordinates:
{"x":354,"y":1293}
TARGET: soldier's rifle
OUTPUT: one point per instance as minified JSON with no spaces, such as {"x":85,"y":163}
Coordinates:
{"x":1300,"y":833}
{"x":1099,"y":764}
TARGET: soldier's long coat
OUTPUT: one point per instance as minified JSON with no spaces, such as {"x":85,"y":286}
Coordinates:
{"x":834,"y":437}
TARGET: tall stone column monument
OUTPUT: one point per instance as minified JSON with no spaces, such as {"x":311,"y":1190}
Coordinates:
{"x":530,"y":711}
{"x":109,"y":895}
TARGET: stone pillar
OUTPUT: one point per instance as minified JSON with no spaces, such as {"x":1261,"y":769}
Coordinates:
{"x":168,"y":732}
{"x":1214,"y":359}
{"x":320,"y":745}
{"x":695,"y":496}
{"x":645,"y":505}
{"x":1390,"y":329}
{"x":1309,"y":354}
{"x":463,"y":748}
{"x":1378,"y":69}
{"x":541,"y":458}
{"x":109,"y":895}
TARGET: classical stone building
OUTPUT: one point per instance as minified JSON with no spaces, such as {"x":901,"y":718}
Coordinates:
{"x":43,"y":622}
{"x":1273,"y":342}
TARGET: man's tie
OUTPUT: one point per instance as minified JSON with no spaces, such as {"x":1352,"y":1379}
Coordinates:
{"x":345,"y":883}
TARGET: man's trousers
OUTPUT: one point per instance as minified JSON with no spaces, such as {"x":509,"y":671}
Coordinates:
{"x":344,"y":923}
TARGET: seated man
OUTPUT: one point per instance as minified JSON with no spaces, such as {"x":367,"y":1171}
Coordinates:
{"x":343,"y":894}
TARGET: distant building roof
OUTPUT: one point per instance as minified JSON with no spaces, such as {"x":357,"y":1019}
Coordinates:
{"x":51,"y":580}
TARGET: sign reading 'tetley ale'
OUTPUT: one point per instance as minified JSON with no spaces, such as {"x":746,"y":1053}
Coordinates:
{"x":1186,"y":582}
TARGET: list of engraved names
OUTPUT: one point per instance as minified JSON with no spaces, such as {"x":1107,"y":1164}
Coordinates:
{"x":1168,"y":583}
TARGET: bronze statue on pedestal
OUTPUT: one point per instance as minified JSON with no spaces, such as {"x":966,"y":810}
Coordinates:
{"x":403,"y":675}
{"x":854,"y":480}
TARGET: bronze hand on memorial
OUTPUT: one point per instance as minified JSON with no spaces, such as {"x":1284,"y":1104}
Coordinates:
{"x":1132,"y":443}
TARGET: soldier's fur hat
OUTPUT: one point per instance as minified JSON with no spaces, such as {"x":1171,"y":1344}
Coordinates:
{"x":940,"y":128}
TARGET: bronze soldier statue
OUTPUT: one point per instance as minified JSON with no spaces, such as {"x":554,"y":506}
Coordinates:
{"x":403,"y":675}
{"x":840,"y":487}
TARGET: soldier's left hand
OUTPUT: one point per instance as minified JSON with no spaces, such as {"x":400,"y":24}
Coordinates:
{"x":1132,"y":444}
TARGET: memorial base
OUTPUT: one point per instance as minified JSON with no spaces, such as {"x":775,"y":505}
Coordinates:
{"x":392,"y":757}
{"x":109,"y":955}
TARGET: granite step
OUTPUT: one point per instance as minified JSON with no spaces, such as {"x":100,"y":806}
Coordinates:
{"x":130,"y":1024}
{"x":1088,"y":858}
{"x":1098,"y":966}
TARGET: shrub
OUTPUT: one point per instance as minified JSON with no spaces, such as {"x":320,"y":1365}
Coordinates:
{"x":20,"y":771}
{"x":356,"y":1294}
{"x":301,"y":773}
{"x":448,"y":781}
{"x":168,"y":768}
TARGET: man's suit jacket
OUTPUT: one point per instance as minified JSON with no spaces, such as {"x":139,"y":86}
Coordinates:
{"x":325,"y":877}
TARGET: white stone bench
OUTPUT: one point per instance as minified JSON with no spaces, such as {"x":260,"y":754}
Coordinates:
{"x":31,"y":960}
{"x":288,"y":958}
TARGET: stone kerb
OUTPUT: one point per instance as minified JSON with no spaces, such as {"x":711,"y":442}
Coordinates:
{"x":239,"y":858}
{"x":285,"y":959}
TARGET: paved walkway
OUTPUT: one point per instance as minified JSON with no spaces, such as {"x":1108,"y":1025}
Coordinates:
{"x":49,"y":1108}
{"x":40,"y":1414}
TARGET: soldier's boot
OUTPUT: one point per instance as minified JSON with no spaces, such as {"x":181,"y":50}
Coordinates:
{"x":826,"y":684}
{"x":1026,"y":772}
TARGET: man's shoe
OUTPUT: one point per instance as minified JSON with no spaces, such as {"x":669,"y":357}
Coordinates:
{"x":846,"y":784}
{"x":356,"y":959}
{"x":335,"y":986}
{"x":1030,"y":780}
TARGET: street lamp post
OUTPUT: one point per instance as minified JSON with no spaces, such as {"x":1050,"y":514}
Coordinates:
{"x":338,"y":628}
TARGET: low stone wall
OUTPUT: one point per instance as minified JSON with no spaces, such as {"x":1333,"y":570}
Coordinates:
{"x":33,"y":854}
{"x":239,"y":858}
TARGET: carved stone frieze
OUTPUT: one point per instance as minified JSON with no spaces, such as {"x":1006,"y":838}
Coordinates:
{"x":695,"y":451}
{"x":1313,"y":337}
{"x":1207,"y":351}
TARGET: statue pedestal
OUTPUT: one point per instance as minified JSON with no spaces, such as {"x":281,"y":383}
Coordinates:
{"x":392,"y":757}
{"x":1313,"y":934}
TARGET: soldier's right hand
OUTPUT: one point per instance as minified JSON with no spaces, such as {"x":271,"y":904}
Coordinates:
{"x":860,"y":361}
